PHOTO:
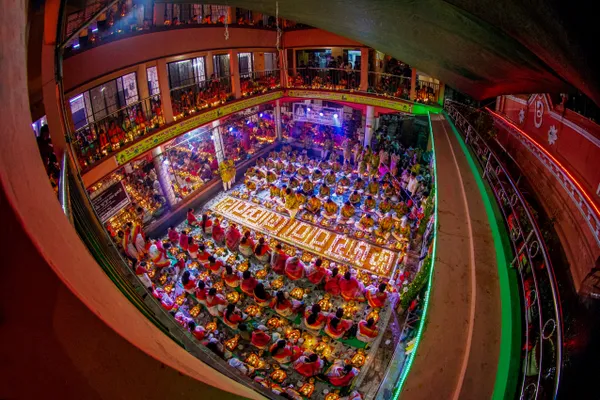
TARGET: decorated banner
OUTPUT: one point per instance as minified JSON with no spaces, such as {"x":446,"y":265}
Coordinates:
{"x":317,"y":114}
{"x":180,"y":128}
{"x":393,"y":104}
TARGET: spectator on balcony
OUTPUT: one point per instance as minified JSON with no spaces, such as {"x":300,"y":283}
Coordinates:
{"x":206,"y":20}
{"x":116,"y":133}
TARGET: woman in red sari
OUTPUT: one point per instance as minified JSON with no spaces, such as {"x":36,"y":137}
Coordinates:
{"x":316,"y":272}
{"x":376,"y":296}
{"x":218,"y":234}
{"x":232,"y":238}
{"x":332,"y":282}
{"x":215,"y":302}
{"x":314,"y":319}
{"x":260,"y":338}
{"x":173,"y":235}
{"x":248,"y":283}
{"x":183,"y":241}
{"x":294,"y":269}
{"x":247,"y":245}
{"x":191,"y":218}
{"x":367,"y":331}
{"x":308,"y":365}
{"x":201,"y":292}
{"x":203,"y":254}
{"x":231,"y":277}
{"x":206,"y":225}
{"x":233,"y":316}
{"x":193,"y":248}
{"x":261,"y":296}
{"x":283,"y":352}
{"x":262,"y":251}
{"x":213,"y":265}
{"x":337,"y":327}
{"x":351,"y":288}
{"x":188,"y":282}
{"x":278,"y":260}
{"x":284,"y":306}
{"x":341,"y":374}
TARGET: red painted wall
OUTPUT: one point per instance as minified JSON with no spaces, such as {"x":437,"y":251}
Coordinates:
{"x":109,"y":57}
{"x":316,"y":38}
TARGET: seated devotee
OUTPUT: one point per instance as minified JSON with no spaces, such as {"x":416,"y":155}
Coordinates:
{"x":330,"y":178}
{"x":317,"y":175}
{"x":376,"y":296}
{"x":250,"y":184}
{"x":332,"y":282}
{"x":300,"y":198}
{"x":324,"y":191}
{"x":206,"y":225}
{"x":388,"y":190}
{"x":385,"y":226}
{"x":158,"y":254}
{"x":262,"y":251}
{"x":127,"y":245}
{"x":351,"y":288}
{"x":366,"y":222}
{"x":260,"y":338}
{"x":303,"y":171}
{"x":231,"y":277}
{"x":369,"y":204}
{"x":401,"y":209}
{"x":373,"y":187}
{"x":232,"y":238}
{"x":291,"y":203}
{"x":314,"y":318}
{"x":308,"y":365}
{"x":213,"y":265}
{"x":315,"y":272}
{"x":197,"y":330}
{"x":341,"y":374}
{"x":141,"y":270}
{"x":308,"y":187}
{"x":218,"y":234}
{"x":246,"y":247}
{"x":273,"y":191}
{"x":294,"y":182}
{"x":330,"y":209}
{"x":294,"y":268}
{"x":202,"y":254}
{"x":290,"y":169}
{"x":248,"y":283}
{"x":193,"y":247}
{"x":244,"y":331}
{"x":283,"y":305}
{"x":191,"y":218}
{"x":401,"y":231}
{"x":283,"y":352}
{"x":336,"y":166}
{"x":183,"y":240}
{"x":261,"y":296}
{"x":367,"y":331}
{"x":241,"y":366}
{"x":173,"y":235}
{"x":337,"y":327}
{"x":347,"y":212}
{"x":313,"y":205}
{"x":385,"y":206}
{"x":359,"y":185}
{"x":201,"y":292}
{"x":260,"y":162}
{"x":233,"y":316}
{"x":215,"y":302}
{"x":188,"y":281}
{"x":270,"y":162}
{"x":344,"y":183}
{"x":278,"y":260}
{"x":355,"y":198}
{"x":271,"y":176}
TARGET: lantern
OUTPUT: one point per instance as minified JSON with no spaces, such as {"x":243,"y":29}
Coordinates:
{"x":195,"y":311}
{"x":358,"y":359}
{"x":253,"y":311}
{"x":232,"y":343}
{"x":212,"y":326}
{"x":233,"y":297}
{"x":308,"y":388}
{"x":297,"y":293}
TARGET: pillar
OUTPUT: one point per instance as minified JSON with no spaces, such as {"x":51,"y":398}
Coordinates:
{"x":281,"y":55}
{"x":50,"y":91}
{"x":159,"y":13}
{"x":278,"y":119}
{"x":142,"y":82}
{"x":413,"y":84}
{"x":209,"y":65}
{"x":234,"y":70}
{"x":165,"y":90}
{"x":231,"y":15}
{"x":369,"y":122}
{"x":294,"y":62}
{"x":441,"y":93}
{"x":218,"y":141}
{"x":162,"y":171}
{"x":364,"y":69}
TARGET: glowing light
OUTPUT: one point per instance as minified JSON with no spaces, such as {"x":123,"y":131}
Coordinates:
{"x":260,"y":115}
{"x":94,"y":30}
{"x":76,"y":46}
{"x":231,"y":129}
{"x":335,"y":115}
{"x":320,"y":114}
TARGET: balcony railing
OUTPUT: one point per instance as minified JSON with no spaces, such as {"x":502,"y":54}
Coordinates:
{"x":258,"y":82}
{"x":99,"y":139}
{"x":543,"y":333}
{"x":192,"y":98}
{"x":397,"y":86}
{"x":324,"y":78}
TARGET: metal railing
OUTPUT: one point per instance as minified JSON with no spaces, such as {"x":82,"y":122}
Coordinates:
{"x":397,"y":86}
{"x":257,"y":82}
{"x":107,"y":254}
{"x":324,"y":78}
{"x":543,"y":333}
{"x":99,"y":139}
{"x":192,"y":98}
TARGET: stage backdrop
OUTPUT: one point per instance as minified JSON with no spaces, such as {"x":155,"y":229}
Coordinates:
{"x":318,"y":114}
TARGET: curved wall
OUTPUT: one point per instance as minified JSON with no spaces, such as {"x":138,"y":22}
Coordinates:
{"x":127,"y":52}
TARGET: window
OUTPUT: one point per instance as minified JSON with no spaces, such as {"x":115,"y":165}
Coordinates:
{"x":270,"y":61}
{"x":153,"y":86}
{"x":186,"y":72}
{"x":245,"y":64}
{"x":221,"y":65}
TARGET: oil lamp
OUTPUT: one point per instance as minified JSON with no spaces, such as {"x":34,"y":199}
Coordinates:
{"x":195,"y":311}
{"x":168,"y":288}
{"x":277,"y":283}
{"x":293,"y":335}
{"x":374,"y":314}
{"x":297,"y":293}
{"x":335,"y":395}
{"x":358,"y":359}
{"x":203,"y":275}
{"x":253,"y":311}
{"x":180,"y":299}
{"x":233,"y":297}
{"x":231,"y":259}
{"x":262,"y":274}
{"x":308,"y":388}
{"x":325,"y":302}
{"x":173,"y":251}
{"x":243,"y":267}
{"x":194,"y":265}
{"x":219,"y":286}
{"x":278,"y":375}
{"x":232,"y":343}
{"x":181,"y":256}
{"x":274,"y":322}
{"x":306,"y":257}
{"x":212,"y":326}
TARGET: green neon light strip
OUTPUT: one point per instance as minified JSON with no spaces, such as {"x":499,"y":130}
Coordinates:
{"x":411,"y":356}
{"x":510,"y":344}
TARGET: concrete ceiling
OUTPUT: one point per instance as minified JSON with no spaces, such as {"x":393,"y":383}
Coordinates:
{"x":481,"y":47}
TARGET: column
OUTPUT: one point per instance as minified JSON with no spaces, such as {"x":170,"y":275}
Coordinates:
{"x":364,"y":69}
{"x":218,"y":141}
{"x":50,"y":91}
{"x":278,"y":119}
{"x":209,"y":65}
{"x":234,"y":70}
{"x":413,"y":84}
{"x":441,"y":92}
{"x":282,"y":68}
{"x":142,"y":82}
{"x":165,"y":90}
{"x":231,"y":15}
{"x":370,"y":121}
{"x":162,"y":171}
{"x":294,"y":61}
{"x":159,"y":14}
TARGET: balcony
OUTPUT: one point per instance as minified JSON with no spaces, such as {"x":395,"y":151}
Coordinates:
{"x":324,"y":78}
{"x":258,"y":82}
{"x":186,"y":100}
